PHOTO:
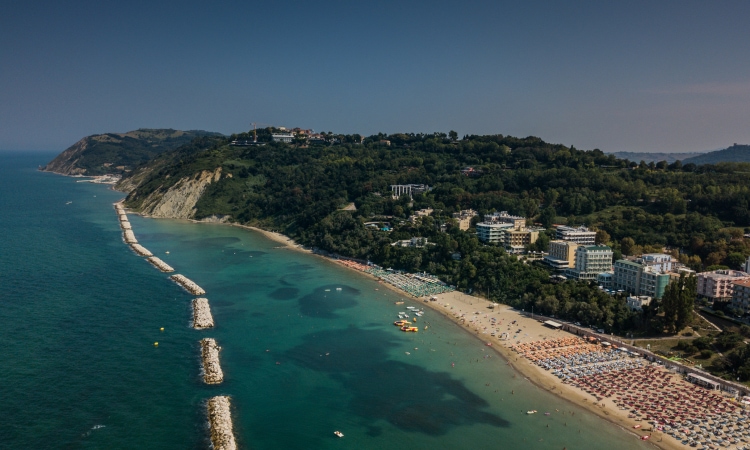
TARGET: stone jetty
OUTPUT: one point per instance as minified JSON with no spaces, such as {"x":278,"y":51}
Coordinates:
{"x":129,"y":237}
{"x":202,"y":317}
{"x":125,"y":225}
{"x":186,"y":283}
{"x":141,"y":250}
{"x":220,"y":420}
{"x":212,"y":373}
{"x":159,"y":264}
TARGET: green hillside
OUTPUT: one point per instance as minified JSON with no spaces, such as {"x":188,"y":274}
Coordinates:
{"x":735,"y":153}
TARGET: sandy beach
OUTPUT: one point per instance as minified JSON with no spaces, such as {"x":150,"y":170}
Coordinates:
{"x":474,"y":315}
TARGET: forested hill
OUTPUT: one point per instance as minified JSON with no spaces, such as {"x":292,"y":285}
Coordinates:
{"x":117,"y":153}
{"x":735,"y":153}
{"x":655,"y":157}
{"x":303,"y":191}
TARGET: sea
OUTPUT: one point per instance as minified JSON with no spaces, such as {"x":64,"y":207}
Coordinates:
{"x":308,"y":347}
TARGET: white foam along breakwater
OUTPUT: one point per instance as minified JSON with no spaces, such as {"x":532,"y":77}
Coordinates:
{"x":186,"y":283}
{"x":159,"y":264}
{"x":141,"y":250}
{"x":212,"y":373}
{"x":220,"y":420}
{"x":202,"y":317}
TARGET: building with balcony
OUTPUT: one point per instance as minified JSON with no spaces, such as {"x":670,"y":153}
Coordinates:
{"x":741,"y":295}
{"x":719,"y":284}
{"x":516,"y":241}
{"x":579,"y":235}
{"x":283,"y":137}
{"x":646,"y":275}
{"x":562,"y":255}
{"x":503,"y":217}
{"x":492,"y":232}
{"x":590,"y":261}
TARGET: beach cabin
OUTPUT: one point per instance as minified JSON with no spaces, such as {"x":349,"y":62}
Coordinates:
{"x":703,"y":381}
{"x":552,"y":324}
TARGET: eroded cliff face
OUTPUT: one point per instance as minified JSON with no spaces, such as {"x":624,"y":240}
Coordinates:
{"x":178,"y":201}
{"x":66,"y":162}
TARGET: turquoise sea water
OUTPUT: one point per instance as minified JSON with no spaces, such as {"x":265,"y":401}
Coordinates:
{"x":80,"y":313}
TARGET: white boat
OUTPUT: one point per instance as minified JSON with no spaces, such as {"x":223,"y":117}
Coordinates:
{"x":338,"y":433}
{"x":419,"y":313}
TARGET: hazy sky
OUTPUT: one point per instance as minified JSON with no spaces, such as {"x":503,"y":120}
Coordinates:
{"x":615,"y":75}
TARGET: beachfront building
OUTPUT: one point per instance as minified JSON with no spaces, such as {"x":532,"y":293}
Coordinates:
{"x":741,"y":295}
{"x":283,"y":137}
{"x":518,"y":222}
{"x":397,"y":190}
{"x":464,"y":218}
{"x":636,"y":302}
{"x":719,"y":284}
{"x":579,"y":235}
{"x":492,"y":232}
{"x":604,"y":280}
{"x":590,"y":261}
{"x":746,"y":266}
{"x":562,"y":254}
{"x":643,"y":276}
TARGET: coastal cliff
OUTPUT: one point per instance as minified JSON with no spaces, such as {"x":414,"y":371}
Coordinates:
{"x":178,"y":201}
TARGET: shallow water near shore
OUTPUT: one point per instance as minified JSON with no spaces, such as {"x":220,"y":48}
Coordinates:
{"x":308,"y":347}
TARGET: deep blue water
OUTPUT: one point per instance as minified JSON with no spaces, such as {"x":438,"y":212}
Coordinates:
{"x":80,"y":313}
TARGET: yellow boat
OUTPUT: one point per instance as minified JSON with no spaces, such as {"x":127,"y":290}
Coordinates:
{"x":401,"y":323}
{"x":412,"y":329}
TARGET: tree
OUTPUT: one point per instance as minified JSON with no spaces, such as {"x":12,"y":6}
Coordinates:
{"x":453,"y":135}
{"x":547,"y":217}
{"x":626,"y":245}
{"x":602,"y":237}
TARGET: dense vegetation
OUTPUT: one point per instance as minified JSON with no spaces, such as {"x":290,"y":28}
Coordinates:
{"x":117,"y":153}
{"x":735,"y":153}
{"x":698,"y":212}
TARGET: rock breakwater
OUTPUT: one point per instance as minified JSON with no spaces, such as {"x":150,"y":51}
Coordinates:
{"x":188,"y":284}
{"x":140,"y":250}
{"x":129,"y":237}
{"x":212,"y":373}
{"x":159,"y":264}
{"x":220,"y":420}
{"x":202,"y":317}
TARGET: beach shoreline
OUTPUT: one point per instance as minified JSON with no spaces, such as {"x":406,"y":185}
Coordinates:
{"x":446,"y":305}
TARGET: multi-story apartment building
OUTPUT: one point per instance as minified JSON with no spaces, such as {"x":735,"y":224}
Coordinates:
{"x":590,"y":261}
{"x":562,"y":254}
{"x":579,"y":235}
{"x":492,"y":232}
{"x":718,"y":285}
{"x":503,"y":217}
{"x":647,"y":275}
{"x":741,"y":295}
{"x":637,"y":302}
{"x":464,"y":218}
{"x":515,"y":241}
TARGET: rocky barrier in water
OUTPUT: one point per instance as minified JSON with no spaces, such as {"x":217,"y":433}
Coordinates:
{"x":212,"y":373}
{"x":186,"y":283}
{"x":129,"y":237}
{"x":159,"y":264}
{"x":140,"y":250}
{"x":125,"y":225}
{"x":220,"y":420}
{"x":202,"y":317}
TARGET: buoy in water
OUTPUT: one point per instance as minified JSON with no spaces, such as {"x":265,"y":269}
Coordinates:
{"x":161,"y":329}
{"x":156,"y":344}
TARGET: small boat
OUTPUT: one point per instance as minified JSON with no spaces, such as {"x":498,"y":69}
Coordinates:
{"x":338,"y":289}
{"x":637,"y":426}
{"x":338,"y":434}
{"x":546,"y":414}
{"x":531,"y":411}
{"x":399,"y":303}
{"x":412,"y":329}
